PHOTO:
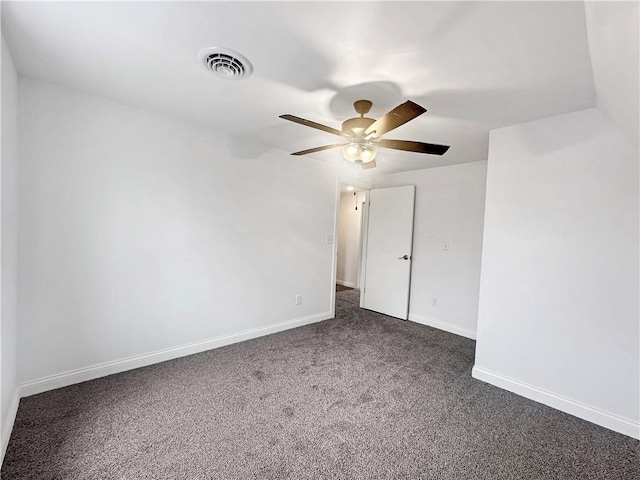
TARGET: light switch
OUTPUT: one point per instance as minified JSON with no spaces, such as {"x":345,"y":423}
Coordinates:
{"x":445,"y":246}
{"x":329,"y":239}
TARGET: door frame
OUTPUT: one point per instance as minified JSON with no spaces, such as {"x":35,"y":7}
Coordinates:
{"x":364,"y":237}
{"x":334,"y":264}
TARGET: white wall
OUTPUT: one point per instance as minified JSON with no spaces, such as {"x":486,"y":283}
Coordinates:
{"x":612,"y":30}
{"x":140,"y":233}
{"x":349,"y":238}
{"x":558,"y":318}
{"x":8,"y":252}
{"x":449,"y":210}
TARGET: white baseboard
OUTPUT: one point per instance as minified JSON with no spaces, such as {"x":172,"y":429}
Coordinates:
{"x":7,"y":424}
{"x":65,"y":379}
{"x":446,"y":326}
{"x":346,"y":284}
{"x":564,"y":404}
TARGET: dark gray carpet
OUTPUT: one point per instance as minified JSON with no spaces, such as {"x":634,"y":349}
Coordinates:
{"x":362,"y":396}
{"x":342,"y":288}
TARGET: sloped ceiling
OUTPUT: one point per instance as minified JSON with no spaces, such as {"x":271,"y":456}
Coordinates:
{"x":612,"y":29}
{"x":474,"y":65}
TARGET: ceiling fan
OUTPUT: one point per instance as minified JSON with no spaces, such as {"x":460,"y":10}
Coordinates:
{"x":362,"y":134}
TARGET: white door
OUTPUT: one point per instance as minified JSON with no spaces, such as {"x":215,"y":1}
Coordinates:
{"x":389,"y":242}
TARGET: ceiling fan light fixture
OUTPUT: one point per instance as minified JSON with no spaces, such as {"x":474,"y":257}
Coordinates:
{"x":359,"y":153}
{"x":368,"y":153}
{"x":351,"y":152}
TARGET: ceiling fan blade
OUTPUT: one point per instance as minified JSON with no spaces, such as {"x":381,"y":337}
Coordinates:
{"x":368,"y":165}
{"x":393,"y":119}
{"x":318,"y":149}
{"x":410,"y":146}
{"x":309,"y":123}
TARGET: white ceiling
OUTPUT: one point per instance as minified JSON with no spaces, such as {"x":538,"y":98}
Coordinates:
{"x":473,"y":65}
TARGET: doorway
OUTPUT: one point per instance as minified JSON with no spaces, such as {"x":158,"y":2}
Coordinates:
{"x":352,"y":204}
{"x":350,"y":236}
{"x":378,"y":263}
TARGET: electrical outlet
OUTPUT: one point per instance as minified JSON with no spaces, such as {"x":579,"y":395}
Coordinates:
{"x":434,"y":301}
{"x":298,"y":299}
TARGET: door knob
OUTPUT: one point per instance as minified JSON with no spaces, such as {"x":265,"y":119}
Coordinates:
{"x":404,"y":257}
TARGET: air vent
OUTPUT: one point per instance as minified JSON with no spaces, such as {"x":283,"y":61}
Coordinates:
{"x":225,"y":63}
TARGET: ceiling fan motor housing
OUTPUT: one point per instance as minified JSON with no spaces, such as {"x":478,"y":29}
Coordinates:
{"x":356,"y":126}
